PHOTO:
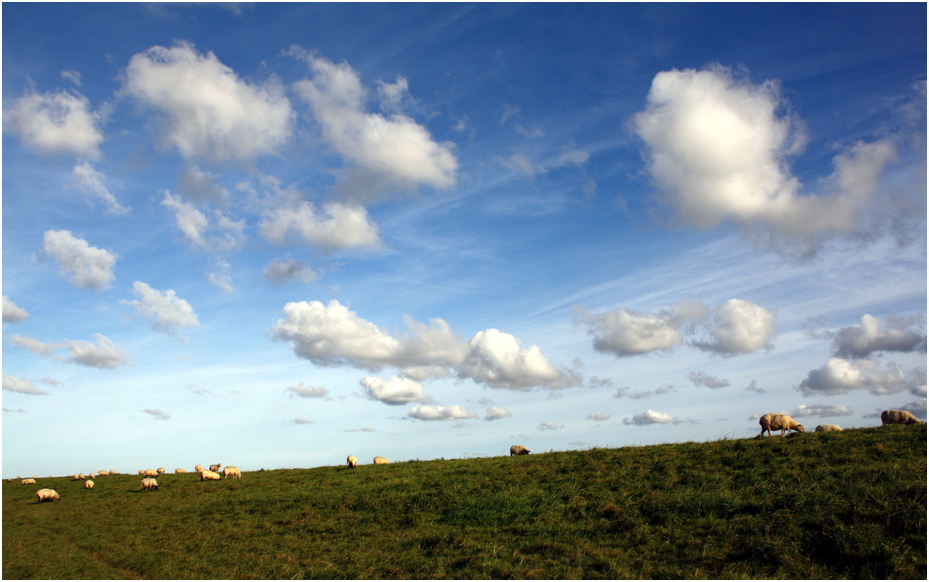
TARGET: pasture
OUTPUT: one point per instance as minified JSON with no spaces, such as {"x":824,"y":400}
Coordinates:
{"x":846,"y":504}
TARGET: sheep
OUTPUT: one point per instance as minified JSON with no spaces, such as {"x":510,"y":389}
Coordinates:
{"x":352,"y":461}
{"x":198,"y":468}
{"x":28,"y":481}
{"x":47,"y":495}
{"x":780,"y":422}
{"x":88,"y":484}
{"x":142,"y":472}
{"x":233,"y":472}
{"x":76,"y":477}
{"x":898,"y":417}
{"x":381,"y":461}
{"x":215,"y":467}
{"x":81,"y":476}
{"x":179,"y":471}
{"x":103,"y":473}
{"x":208,"y":476}
{"x":150,"y":473}
{"x":518,"y":450}
{"x":92,"y":476}
{"x":827,"y":428}
{"x":161,"y":470}
{"x":149,"y":484}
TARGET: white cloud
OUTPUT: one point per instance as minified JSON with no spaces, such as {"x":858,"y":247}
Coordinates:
{"x":157,"y":414}
{"x":625,"y":332}
{"x":280,"y":272}
{"x":35,"y":346}
{"x":362,"y":429}
{"x":702,"y":379}
{"x":85,"y":266}
{"x":209,"y":112}
{"x":741,"y":327}
{"x":106,"y":354}
{"x":219,"y":235}
{"x":302,"y":420}
{"x":21,"y":385}
{"x":626,"y":392}
{"x":550,"y":426}
{"x":395,"y":391}
{"x":650,"y":417}
{"x":166,"y":311}
{"x":597,"y":416}
{"x":13,"y":313}
{"x":497,"y":361}
{"x":73,"y":76}
{"x":495,"y":412}
{"x":338,"y":226}
{"x":90,"y":181}
{"x":875,"y":335}
{"x":441,"y":412}
{"x":718,"y":148}
{"x":839,"y":376}
{"x":201,"y":188}
{"x":305,"y":391}
{"x":55,"y":123}
{"x":394,"y":149}
{"x":821,"y":410}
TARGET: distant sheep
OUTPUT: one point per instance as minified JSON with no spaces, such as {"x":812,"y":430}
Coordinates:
{"x":898,"y":417}
{"x":150,"y":473}
{"x":209,"y":475}
{"x":179,"y":471}
{"x":76,"y":478}
{"x":827,"y":428}
{"x":81,"y":476}
{"x":88,"y":484}
{"x":782,"y":422}
{"x":92,"y":476}
{"x":198,"y":468}
{"x":149,"y":484}
{"x":381,"y":461}
{"x":28,"y":481}
{"x":233,"y":472}
{"x":103,"y":473}
{"x":352,"y":461}
{"x":518,"y":450}
{"x":47,"y":495}
{"x":161,"y":470}
{"x":215,"y":467}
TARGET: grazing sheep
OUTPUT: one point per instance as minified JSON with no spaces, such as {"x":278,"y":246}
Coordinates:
{"x":215,"y":467}
{"x":898,"y":417}
{"x":209,"y":476}
{"x":76,"y":478}
{"x":92,"y":476}
{"x":141,"y":471}
{"x":88,"y":484}
{"x":161,"y":470}
{"x":352,"y":461}
{"x":102,"y":473}
{"x":782,"y":422}
{"x":198,"y":468}
{"x":827,"y":428}
{"x":381,"y":461}
{"x":150,"y":473}
{"x":233,"y":472}
{"x":28,"y":481}
{"x":149,"y":484}
{"x":518,"y":450}
{"x":179,"y":471}
{"x":47,"y":495}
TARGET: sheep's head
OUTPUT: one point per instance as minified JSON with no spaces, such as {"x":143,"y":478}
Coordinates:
{"x":799,"y":428}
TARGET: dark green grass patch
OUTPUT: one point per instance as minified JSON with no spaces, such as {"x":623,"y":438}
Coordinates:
{"x":824,"y":505}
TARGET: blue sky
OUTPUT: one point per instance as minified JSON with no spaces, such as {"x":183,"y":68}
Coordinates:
{"x":273,"y":235}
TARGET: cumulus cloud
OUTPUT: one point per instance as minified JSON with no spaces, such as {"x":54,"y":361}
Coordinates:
{"x":333,"y":335}
{"x":740,"y":327}
{"x":106,"y":354}
{"x":35,"y":346}
{"x":336,"y":227}
{"x":280,"y":272}
{"x":625,"y":332}
{"x":821,"y":410}
{"x":839,"y":376}
{"x":201,"y":188}
{"x":20,"y":385}
{"x":876,"y":335}
{"x":650,"y":417}
{"x":550,"y":426}
{"x":394,"y":150}
{"x":90,"y":181}
{"x":305,"y":391}
{"x":598,"y":416}
{"x":13,"y":313}
{"x":157,"y":414}
{"x":718,"y":148}
{"x":54,"y":123}
{"x":497,"y":412}
{"x":166,"y":311}
{"x":441,"y":412}
{"x":702,"y":379}
{"x":209,"y":113}
{"x":83,"y":265}
{"x":218,"y":235}
{"x":395,"y":391}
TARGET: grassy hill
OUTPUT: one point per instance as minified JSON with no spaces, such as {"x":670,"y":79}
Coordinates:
{"x":848,"y":504}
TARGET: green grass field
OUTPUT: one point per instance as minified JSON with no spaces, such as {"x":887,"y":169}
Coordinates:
{"x":846,"y":504}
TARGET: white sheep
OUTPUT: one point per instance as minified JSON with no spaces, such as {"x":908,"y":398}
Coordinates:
{"x":76,"y":478}
{"x":103,"y":473}
{"x":161,"y":470}
{"x":179,"y":471}
{"x":28,"y":481}
{"x":215,"y":467}
{"x":233,"y":472}
{"x":381,"y":461}
{"x":92,"y":476}
{"x":198,"y":468}
{"x":88,"y":484}
{"x":782,"y":422}
{"x":209,"y":475}
{"x":150,"y":473}
{"x":149,"y":484}
{"x":518,"y":450}
{"x":352,"y":461}
{"x":827,"y":428}
{"x":47,"y":495}
{"x":898,"y":417}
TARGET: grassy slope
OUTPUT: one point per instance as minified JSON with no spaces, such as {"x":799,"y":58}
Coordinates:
{"x":822,"y":505}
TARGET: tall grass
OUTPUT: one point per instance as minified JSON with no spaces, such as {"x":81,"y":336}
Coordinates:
{"x":847,"y":504}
